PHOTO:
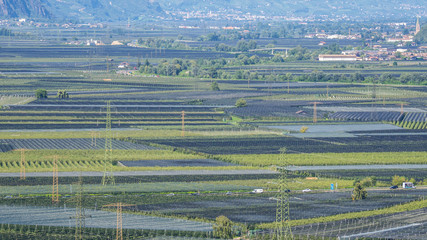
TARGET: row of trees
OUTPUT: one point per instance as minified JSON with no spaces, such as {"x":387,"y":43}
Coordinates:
{"x":42,"y":93}
{"x":222,"y":69}
{"x":161,"y":43}
{"x":296,"y":30}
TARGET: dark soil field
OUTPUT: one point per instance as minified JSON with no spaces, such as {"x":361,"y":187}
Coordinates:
{"x":262,"y":208}
{"x":75,"y":143}
{"x":268,"y":145}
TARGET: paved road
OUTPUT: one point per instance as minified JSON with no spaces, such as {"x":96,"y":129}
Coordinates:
{"x":143,"y":173}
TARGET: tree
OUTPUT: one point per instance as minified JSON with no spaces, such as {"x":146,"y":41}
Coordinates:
{"x":62,"y":94}
{"x":398,"y":180}
{"x":223,"y":227}
{"x":359,"y":192}
{"x":41,"y":93}
{"x":241,"y":103}
{"x":214,"y":86}
{"x":368,"y":182}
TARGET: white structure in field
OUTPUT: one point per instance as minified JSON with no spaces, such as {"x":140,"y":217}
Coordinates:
{"x":337,"y":57}
{"x":258,"y":190}
{"x":408,"y":185}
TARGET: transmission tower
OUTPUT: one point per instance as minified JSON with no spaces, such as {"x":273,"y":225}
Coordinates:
{"x":108,"y":177}
{"x":80,"y":212}
{"x":55,"y":187}
{"x":183,"y":123}
{"x":23,"y":163}
{"x":283,"y":229}
{"x":119,"y":206}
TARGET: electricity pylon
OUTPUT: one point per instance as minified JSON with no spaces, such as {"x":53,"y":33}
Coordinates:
{"x":80,"y":212}
{"x":23,"y":163}
{"x":55,"y":187}
{"x":108,"y":177}
{"x":282,"y":228}
{"x":119,"y":206}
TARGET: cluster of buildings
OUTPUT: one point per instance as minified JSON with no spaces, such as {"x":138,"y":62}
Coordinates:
{"x":400,"y":47}
{"x":26,"y":22}
{"x":92,"y":42}
{"x":378,"y":54}
{"x":219,"y":15}
{"x":333,"y":36}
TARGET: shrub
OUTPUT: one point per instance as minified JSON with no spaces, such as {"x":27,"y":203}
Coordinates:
{"x":241,"y":103}
{"x":223,"y":227}
{"x":368,"y":182}
{"x":397,"y":180}
{"x":41,"y":93}
{"x":62,"y":94}
{"x":214,"y":86}
{"x":359,"y":192}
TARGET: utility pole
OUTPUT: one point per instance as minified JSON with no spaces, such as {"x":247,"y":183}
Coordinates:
{"x":183,"y":124}
{"x":401,"y":107}
{"x":283,"y":228}
{"x":374,"y":109}
{"x":23,"y":163}
{"x":108,"y":177}
{"x":327,"y":90}
{"x":93,"y":137}
{"x":315,"y":111}
{"x":55,"y":187}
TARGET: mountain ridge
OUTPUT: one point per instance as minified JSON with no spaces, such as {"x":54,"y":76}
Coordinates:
{"x":101,"y":10}
{"x":119,"y":10}
{"x":23,"y":8}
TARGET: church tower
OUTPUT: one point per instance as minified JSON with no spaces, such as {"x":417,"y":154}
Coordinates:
{"x":418,"y":26}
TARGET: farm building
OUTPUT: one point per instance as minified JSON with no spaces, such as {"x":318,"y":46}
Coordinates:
{"x":337,"y":57}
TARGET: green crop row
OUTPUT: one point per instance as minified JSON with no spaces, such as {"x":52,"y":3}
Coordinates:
{"x":124,"y":188}
{"x":310,"y":159}
{"x":293,"y":184}
{"x":411,"y":125}
{"x":390,"y":210}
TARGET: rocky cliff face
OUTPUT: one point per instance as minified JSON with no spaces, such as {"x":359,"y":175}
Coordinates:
{"x":23,"y":8}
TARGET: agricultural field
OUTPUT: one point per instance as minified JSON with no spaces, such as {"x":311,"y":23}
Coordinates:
{"x":184,"y":152}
